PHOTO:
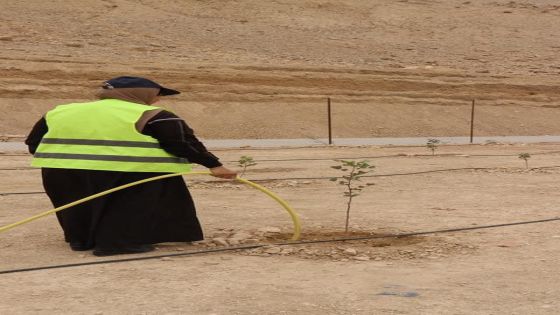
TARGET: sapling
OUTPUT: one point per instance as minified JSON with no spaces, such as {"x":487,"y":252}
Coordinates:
{"x":354,"y":171}
{"x":526,"y":157}
{"x":244,"y":162}
{"x":432,"y":144}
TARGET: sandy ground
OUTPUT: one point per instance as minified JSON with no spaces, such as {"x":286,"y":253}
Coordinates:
{"x":509,"y":270}
{"x":254,"y":69}
{"x":264,"y":69}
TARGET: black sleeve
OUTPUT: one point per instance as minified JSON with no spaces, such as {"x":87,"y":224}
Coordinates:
{"x":36,"y":135}
{"x":177,"y":138}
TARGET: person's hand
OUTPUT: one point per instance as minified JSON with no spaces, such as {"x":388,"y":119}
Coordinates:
{"x":223,"y":172}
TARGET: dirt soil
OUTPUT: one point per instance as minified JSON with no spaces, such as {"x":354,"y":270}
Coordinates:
{"x":264,"y":69}
{"x":254,"y":69}
{"x":508,"y":270}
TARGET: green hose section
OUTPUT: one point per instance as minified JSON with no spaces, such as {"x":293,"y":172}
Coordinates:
{"x":293,"y":215}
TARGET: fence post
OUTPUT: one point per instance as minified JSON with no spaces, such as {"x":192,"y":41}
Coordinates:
{"x":329,"y":119}
{"x":472,"y":121}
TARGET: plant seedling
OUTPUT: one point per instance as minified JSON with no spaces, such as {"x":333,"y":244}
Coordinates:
{"x":432,"y":144}
{"x":244,"y":162}
{"x":526,"y":157}
{"x":354,"y":171}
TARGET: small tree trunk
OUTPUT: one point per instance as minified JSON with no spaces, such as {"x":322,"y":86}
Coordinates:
{"x":349,"y":185}
{"x":348,"y":214}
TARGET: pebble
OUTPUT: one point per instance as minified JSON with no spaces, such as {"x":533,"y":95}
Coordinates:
{"x":233,"y":241}
{"x":203,"y":242}
{"x":287,"y":251}
{"x":350,"y":251}
{"x":361,"y":258}
{"x":220,"y":241}
{"x":241,"y":236}
{"x":273,"y":250}
{"x":166,"y":259}
{"x":269,"y":229}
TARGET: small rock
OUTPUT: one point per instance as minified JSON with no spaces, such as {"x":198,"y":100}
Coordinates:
{"x":273,"y":250}
{"x":203,"y":242}
{"x":269,"y":229}
{"x":361,"y":258}
{"x":241,"y":236}
{"x":166,"y":259}
{"x":350,"y":251}
{"x":6,"y":38}
{"x":233,"y":241}
{"x":287,"y":251}
{"x":220,"y":241}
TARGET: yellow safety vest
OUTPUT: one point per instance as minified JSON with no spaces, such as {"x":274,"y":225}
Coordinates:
{"x":102,"y":135}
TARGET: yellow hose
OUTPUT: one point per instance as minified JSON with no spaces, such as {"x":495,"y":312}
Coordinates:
{"x":294,"y":216}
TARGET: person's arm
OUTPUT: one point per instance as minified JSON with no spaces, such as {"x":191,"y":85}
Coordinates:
{"x":177,"y":138}
{"x":36,"y":135}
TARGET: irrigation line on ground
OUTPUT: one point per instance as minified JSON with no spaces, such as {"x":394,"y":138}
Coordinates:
{"x":393,"y":156}
{"x":328,"y":177}
{"x":226,"y":249}
{"x":342,"y":158}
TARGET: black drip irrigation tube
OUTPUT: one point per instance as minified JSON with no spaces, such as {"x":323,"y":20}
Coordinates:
{"x":335,"y":158}
{"x":228,"y":249}
{"x":328,"y":177}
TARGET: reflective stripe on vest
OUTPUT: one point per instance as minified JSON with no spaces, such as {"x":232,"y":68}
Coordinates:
{"x":102,"y":135}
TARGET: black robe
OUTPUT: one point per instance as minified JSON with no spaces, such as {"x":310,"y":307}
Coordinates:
{"x":149,"y":213}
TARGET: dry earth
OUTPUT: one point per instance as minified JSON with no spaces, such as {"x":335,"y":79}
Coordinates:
{"x":263,"y":69}
{"x":508,"y":270}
